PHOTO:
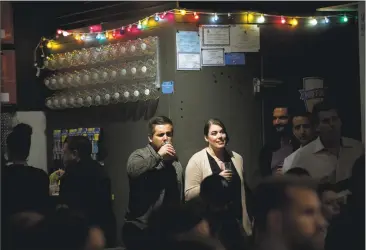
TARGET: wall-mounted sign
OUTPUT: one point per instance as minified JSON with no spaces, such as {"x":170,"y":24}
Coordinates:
{"x":188,"y":50}
{"x":313,"y":92}
{"x":235,"y":59}
{"x":213,"y":57}
{"x":167,"y":87}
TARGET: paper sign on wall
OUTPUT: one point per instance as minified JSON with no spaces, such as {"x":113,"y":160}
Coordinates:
{"x":188,"y":50}
{"x":244,"y":38}
{"x":213,"y":57}
{"x":167,"y":87}
{"x":234,"y":59}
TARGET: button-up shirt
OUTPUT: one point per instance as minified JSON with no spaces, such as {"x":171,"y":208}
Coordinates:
{"x":323,"y":165}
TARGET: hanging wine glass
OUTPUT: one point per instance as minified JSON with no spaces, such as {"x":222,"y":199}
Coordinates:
{"x":49,"y":103}
{"x":104,"y":75}
{"x":60,"y":81}
{"x":85,"y":56}
{"x":113,"y":73}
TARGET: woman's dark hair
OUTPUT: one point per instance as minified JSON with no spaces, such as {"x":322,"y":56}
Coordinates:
{"x":215,"y":191}
{"x":19,"y":142}
{"x":298,"y":172}
{"x":215,"y":121}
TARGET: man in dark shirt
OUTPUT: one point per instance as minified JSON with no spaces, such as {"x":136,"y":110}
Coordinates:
{"x":279,"y":146}
{"x":155,"y":179}
{"x":85,"y":187}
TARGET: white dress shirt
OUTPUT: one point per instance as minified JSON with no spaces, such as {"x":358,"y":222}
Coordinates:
{"x":287,"y":163}
{"x":323,"y":165}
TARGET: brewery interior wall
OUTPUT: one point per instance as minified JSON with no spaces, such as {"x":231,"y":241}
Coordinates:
{"x":223,"y":92}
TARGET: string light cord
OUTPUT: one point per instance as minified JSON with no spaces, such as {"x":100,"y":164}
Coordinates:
{"x":250,"y":18}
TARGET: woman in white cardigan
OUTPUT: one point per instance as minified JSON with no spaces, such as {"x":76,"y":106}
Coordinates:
{"x":216,"y":159}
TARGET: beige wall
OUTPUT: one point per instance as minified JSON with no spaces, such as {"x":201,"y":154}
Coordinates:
{"x":361,"y":37}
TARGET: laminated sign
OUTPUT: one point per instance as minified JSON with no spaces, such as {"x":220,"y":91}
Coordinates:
{"x":313,"y":92}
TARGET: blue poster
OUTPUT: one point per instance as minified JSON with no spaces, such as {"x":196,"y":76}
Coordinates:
{"x":188,"y":42}
{"x":234,"y":59}
{"x":167,"y":87}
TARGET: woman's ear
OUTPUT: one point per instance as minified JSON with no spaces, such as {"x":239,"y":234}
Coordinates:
{"x":206,"y":138}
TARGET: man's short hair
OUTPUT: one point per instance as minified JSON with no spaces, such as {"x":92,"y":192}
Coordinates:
{"x":157,"y":120}
{"x":271,"y":194}
{"x":325,"y":105}
{"x":301,"y":113}
{"x":81,"y":144}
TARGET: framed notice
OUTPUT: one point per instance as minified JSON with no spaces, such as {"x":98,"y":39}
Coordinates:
{"x":213,"y":57}
{"x":8,"y":77}
{"x":216,"y":35}
{"x":7,"y":31}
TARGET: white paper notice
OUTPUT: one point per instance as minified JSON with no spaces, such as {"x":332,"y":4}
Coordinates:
{"x":4,"y":97}
{"x":2,"y":34}
{"x":213,"y":57}
{"x":216,"y":35}
{"x":188,"y":61}
{"x":223,"y":31}
{"x":245,"y":38}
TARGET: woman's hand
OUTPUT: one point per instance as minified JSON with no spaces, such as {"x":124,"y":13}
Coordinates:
{"x":227,"y":174}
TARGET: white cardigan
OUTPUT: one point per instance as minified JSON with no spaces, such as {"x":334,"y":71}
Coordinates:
{"x":198,"y":168}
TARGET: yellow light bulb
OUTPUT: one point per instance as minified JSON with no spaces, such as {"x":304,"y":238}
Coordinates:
{"x":183,"y":12}
{"x":145,"y":22}
{"x":49,"y":45}
{"x":250,"y":18}
{"x":77,"y":37}
{"x":294,"y":22}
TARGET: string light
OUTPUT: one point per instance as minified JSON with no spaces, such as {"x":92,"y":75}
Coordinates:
{"x":195,"y":16}
{"x":344,"y":19}
{"x":261,"y":19}
{"x":313,"y":21}
{"x":95,"y":31}
{"x":139,"y":26}
{"x":157,"y":18}
{"x":215,"y":17}
{"x":294,"y":22}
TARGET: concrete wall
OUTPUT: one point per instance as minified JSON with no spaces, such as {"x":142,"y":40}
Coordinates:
{"x":361,"y":37}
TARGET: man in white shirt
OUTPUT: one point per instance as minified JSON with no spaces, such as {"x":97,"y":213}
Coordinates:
{"x":303,"y":131}
{"x":330,"y":157}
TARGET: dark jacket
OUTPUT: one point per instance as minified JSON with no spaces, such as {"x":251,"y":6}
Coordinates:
{"x":86,"y":189}
{"x":24,"y":188}
{"x":153,"y":183}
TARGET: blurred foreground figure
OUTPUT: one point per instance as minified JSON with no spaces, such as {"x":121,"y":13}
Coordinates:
{"x":86,"y":188}
{"x":288,"y":215}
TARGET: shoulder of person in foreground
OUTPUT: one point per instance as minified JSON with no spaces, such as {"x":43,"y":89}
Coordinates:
{"x":350,"y":142}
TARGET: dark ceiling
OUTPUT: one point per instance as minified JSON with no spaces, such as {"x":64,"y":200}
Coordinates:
{"x":76,"y":14}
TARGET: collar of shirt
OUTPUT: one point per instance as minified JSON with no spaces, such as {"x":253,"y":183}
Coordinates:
{"x":320,"y":147}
